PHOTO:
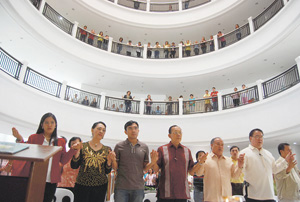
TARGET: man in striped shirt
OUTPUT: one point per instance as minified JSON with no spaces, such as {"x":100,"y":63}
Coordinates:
{"x":175,"y":162}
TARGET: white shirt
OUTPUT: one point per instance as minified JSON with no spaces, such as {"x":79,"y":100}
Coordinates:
{"x":287,"y":184}
{"x":258,"y":169}
{"x":48,"y":179}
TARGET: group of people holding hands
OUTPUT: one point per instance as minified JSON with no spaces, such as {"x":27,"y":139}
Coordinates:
{"x":130,"y":158}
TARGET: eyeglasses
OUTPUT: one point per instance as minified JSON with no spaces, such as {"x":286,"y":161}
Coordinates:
{"x":258,"y":137}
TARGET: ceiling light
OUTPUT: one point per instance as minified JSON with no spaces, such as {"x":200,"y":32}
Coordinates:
{"x":295,"y":143}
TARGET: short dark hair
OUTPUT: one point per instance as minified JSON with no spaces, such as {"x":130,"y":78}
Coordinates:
{"x":73,"y":139}
{"x":231,"y":148}
{"x":198,"y":152}
{"x":96,"y":123}
{"x":281,"y":147}
{"x":170,"y":129}
{"x":252,"y":131}
{"x":213,"y":140}
{"x":129,"y":123}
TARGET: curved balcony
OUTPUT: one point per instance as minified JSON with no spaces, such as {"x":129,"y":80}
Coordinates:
{"x":275,"y":115}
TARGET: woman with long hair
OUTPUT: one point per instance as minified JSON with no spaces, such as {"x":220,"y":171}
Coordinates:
{"x":46,"y":135}
{"x":95,"y":162}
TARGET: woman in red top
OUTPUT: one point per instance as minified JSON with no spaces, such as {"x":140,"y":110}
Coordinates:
{"x":46,"y":135}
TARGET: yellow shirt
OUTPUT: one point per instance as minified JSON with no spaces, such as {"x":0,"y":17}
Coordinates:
{"x":241,"y":178}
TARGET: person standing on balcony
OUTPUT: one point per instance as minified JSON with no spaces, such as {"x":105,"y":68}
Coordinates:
{"x":119,"y":45}
{"x":222,"y":39}
{"x":131,"y":159}
{"x":157,"y":49}
{"x":129,"y":48}
{"x":128,"y":99}
{"x":91,"y":37}
{"x":149,"y":50}
{"x":196,"y":48}
{"x":259,"y":168}
{"x":170,"y":106}
{"x":192,"y":103}
{"x":85,"y":101}
{"x":238,"y":33}
{"x":166,"y":49}
{"x":214,"y":95}
{"x":211,"y":43}
{"x":173,"y":50}
{"x":105,"y":42}
{"x":188,"y":48}
{"x":148,"y":103}
{"x":100,"y":40}
{"x":136,"y":4}
{"x":186,"y":4}
{"x":139,"y":49}
{"x":83,"y":33}
{"x":207,"y":104}
{"x":236,"y":97}
{"x":203,"y":45}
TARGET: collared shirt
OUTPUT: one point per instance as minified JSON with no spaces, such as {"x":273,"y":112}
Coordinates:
{"x":241,"y":178}
{"x":287,"y":184}
{"x":131,"y":159}
{"x":258,"y":169}
{"x":217,"y":174}
{"x":175,"y":164}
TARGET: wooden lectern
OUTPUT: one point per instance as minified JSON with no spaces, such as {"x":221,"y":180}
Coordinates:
{"x":31,"y":189}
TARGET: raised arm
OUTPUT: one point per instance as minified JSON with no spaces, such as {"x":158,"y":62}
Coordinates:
{"x":154,"y":158}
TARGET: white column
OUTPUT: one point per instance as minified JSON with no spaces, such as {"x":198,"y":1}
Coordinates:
{"x":285,"y":2}
{"x":220,"y":101}
{"x":260,"y":89}
{"x":180,"y":106}
{"x":180,"y":5}
{"x":23,"y":71}
{"x":74,"y":29}
{"x":116,"y":1}
{"x":251,"y":25}
{"x":42,"y":5}
{"x":102,"y":101}
{"x":298,"y":64}
{"x":142,"y":106}
{"x":180,"y":50}
{"x":216,"y":42}
{"x":109,"y":44}
{"x":63,"y":89}
{"x":145,"y":51}
{"x":148,"y":6}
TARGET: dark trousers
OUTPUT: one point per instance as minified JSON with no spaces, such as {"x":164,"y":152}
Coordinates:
{"x":254,"y":200}
{"x":237,"y":188}
{"x":89,"y":193}
{"x":172,"y":200}
{"x":236,"y":102}
{"x":49,"y":191}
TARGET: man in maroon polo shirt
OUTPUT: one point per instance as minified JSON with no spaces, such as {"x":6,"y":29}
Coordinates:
{"x":175,"y":162}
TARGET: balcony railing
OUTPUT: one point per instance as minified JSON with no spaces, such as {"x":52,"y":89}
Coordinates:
{"x":9,"y":64}
{"x":198,"y":106}
{"x":57,"y":19}
{"x":281,"y":82}
{"x":157,"y":53}
{"x":160,"y":6}
{"x":161,"y":108}
{"x":198,"y":48}
{"x":82,"y":97}
{"x":36,"y":3}
{"x":122,"y":105}
{"x":239,"y":98}
{"x":268,"y":88}
{"x":42,"y":83}
{"x":92,"y":39}
{"x":267,"y":14}
{"x":235,"y":35}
